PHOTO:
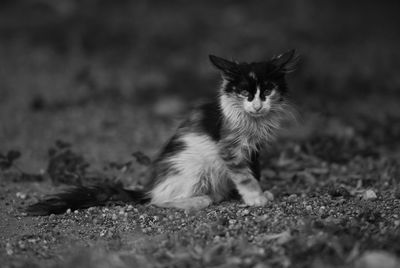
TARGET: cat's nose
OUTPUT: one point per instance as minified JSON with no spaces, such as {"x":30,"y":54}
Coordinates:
{"x":257,"y":107}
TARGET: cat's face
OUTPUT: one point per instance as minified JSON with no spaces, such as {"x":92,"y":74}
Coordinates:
{"x":258,"y":87}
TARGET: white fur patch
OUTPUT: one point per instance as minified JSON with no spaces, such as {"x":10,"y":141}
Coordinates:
{"x":199,"y":167}
{"x":254,"y":129}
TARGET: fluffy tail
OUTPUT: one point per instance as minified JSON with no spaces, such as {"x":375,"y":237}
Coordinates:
{"x":85,"y":197}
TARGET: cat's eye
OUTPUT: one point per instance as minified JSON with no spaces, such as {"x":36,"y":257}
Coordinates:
{"x":269,"y":87}
{"x":267,"y":91}
{"x":244,"y":93}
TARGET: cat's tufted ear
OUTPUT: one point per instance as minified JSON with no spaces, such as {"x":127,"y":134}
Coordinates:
{"x":228,"y":68}
{"x":286,"y":62}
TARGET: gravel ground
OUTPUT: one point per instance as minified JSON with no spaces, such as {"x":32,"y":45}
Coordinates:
{"x":324,"y":211}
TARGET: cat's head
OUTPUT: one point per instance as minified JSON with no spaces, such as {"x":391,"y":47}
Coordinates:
{"x":257,"y":87}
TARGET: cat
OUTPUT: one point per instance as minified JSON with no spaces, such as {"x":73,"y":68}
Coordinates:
{"x":214,"y":154}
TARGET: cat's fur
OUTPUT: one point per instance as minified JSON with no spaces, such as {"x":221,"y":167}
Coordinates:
{"x":214,"y":153}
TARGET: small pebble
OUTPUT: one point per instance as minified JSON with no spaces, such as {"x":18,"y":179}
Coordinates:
{"x":321,"y":209}
{"x":369,"y":195}
{"x":269,"y":195}
{"x":33,"y":240}
{"x":292,"y":198}
{"x":261,"y":265}
{"x":377,"y":259}
{"x":147,"y":230}
{"x":21,"y":195}
{"x":9,"y":249}
{"x":245,"y":212}
{"x":261,"y":218}
{"x":308,"y":208}
{"x":68,"y":211}
{"x":21,"y":244}
{"x":232,"y":222}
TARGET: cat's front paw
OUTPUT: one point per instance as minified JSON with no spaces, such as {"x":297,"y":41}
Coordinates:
{"x":255,"y":200}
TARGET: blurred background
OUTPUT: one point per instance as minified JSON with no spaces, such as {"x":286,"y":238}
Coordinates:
{"x":112,"y":77}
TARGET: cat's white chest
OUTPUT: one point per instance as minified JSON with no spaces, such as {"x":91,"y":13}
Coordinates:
{"x":200,"y":170}
{"x":201,"y":156}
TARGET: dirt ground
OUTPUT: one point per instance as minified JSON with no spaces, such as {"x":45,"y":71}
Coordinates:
{"x":84,"y":86}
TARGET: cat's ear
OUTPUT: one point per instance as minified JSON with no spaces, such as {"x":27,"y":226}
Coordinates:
{"x":286,"y":62}
{"x":228,"y":68}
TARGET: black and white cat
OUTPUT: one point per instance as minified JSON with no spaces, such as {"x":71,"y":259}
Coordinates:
{"x":214,"y":153}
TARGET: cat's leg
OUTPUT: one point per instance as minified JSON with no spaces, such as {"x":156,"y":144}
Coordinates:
{"x":190,"y":203}
{"x":249,"y":188}
{"x":242,"y":176}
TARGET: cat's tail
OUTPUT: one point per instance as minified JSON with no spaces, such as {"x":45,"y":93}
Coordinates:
{"x":84,"y":197}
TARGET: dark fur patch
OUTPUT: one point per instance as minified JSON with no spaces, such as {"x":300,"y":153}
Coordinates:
{"x":255,"y":165}
{"x":265,"y":78}
{"x":227,"y":155}
{"x":161,"y":167}
{"x":250,"y":76}
{"x":174,"y":146}
{"x":84,"y":197}
{"x":246,"y":181}
{"x":238,"y":168}
{"x":264,"y":75}
{"x":211,"y":119}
